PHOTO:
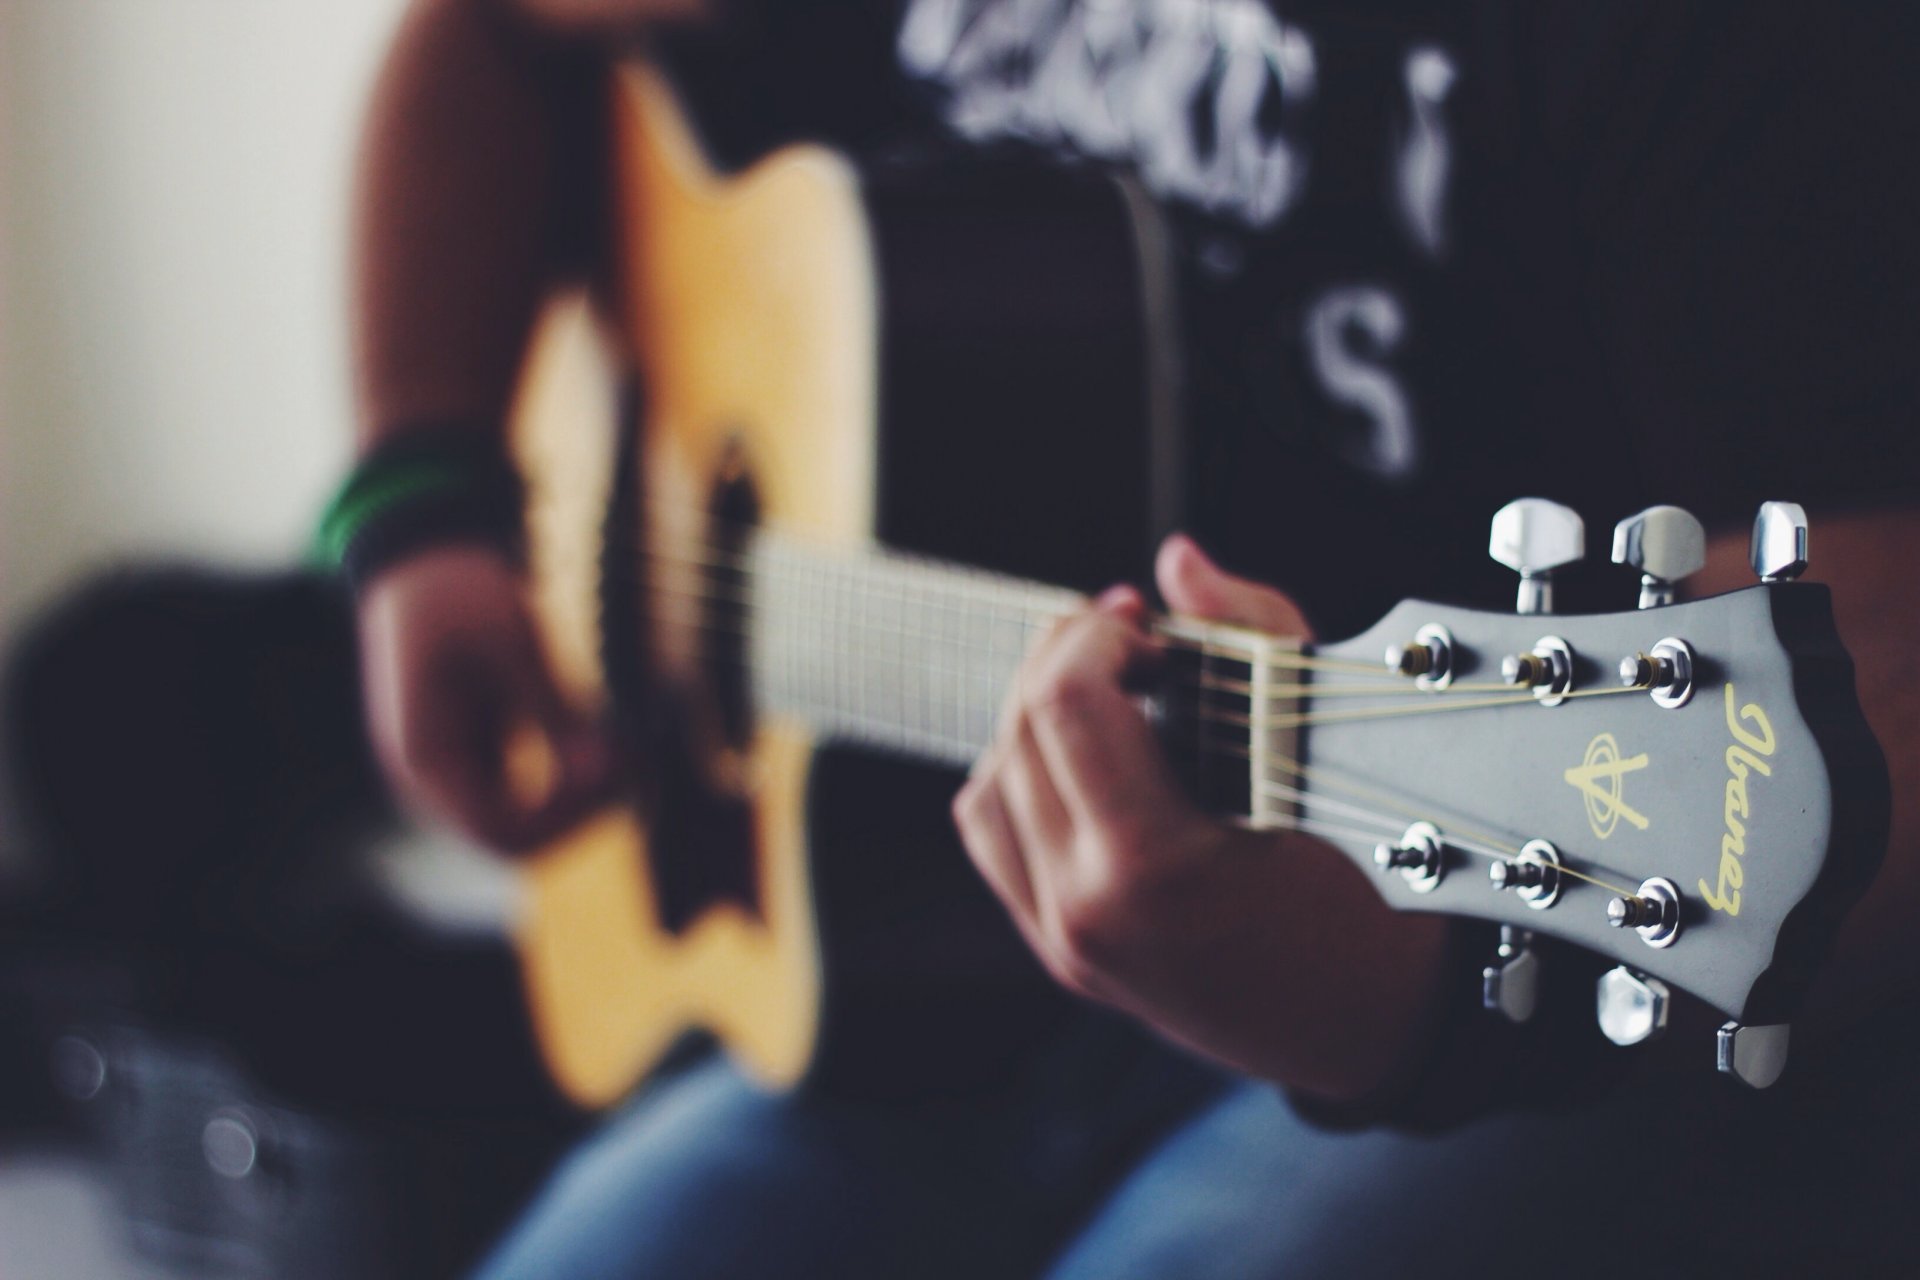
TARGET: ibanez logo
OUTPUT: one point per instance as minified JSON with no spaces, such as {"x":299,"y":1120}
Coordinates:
{"x":1746,"y":757}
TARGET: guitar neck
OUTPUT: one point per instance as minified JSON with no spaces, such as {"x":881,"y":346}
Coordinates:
{"x":889,"y":650}
{"x":915,"y":656}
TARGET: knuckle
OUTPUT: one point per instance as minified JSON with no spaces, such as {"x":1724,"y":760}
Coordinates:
{"x":1124,"y":835}
{"x":1086,"y":936}
{"x":1070,"y":968}
{"x":1061,"y":693}
{"x":1068,"y":632}
{"x":1059,"y":629}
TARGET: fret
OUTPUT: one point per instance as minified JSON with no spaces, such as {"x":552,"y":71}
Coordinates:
{"x":1259,"y":738}
{"x":1202,"y":770}
{"x":937,"y":689}
{"x":889,"y":649}
{"x":922,"y":674}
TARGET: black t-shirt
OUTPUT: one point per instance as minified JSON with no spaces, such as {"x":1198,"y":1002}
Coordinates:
{"x":1432,"y":257}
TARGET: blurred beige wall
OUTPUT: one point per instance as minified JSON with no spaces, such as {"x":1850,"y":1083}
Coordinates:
{"x":173,"y":196}
{"x":173,"y":343}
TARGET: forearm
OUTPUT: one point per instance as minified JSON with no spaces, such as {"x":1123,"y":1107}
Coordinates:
{"x":474,"y":195}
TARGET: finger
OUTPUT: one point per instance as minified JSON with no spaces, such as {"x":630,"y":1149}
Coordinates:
{"x":1124,"y":601}
{"x":991,"y":842}
{"x":1098,"y":748}
{"x":455,"y":774}
{"x":1194,"y":585}
{"x":556,"y":763}
{"x":1040,"y":819}
{"x":1006,"y":721}
{"x":480,"y":757}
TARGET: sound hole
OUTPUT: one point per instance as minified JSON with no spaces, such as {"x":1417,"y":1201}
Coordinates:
{"x":691,"y":737}
{"x":725,"y":651}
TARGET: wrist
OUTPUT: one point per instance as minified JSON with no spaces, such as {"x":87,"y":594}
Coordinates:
{"x":427,"y":487}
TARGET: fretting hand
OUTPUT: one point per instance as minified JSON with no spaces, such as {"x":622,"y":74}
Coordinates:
{"x":1268,"y":951}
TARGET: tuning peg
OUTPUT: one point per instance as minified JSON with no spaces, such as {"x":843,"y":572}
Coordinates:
{"x":1653,"y":913}
{"x":1752,"y":1055}
{"x":1665,"y":544}
{"x":1780,"y":541}
{"x":1510,"y":986}
{"x":1533,"y":537}
{"x":1632,"y":1006}
{"x":1420,"y":857}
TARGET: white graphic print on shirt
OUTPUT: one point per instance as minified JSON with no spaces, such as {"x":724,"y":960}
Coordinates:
{"x":1206,"y":100}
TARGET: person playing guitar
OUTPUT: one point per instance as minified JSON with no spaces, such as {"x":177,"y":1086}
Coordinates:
{"x":1425,"y":262}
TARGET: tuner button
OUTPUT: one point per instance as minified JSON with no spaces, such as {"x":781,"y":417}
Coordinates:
{"x":1780,"y":541}
{"x":1665,"y":544}
{"x":1525,"y":670}
{"x":231,"y":1144}
{"x":1533,"y":874}
{"x":1665,"y":671}
{"x":1428,"y":660}
{"x":1409,"y":659}
{"x":1547,"y":669}
{"x":1632,"y":1007}
{"x":1389,"y":857}
{"x":1510,"y":986}
{"x":1644,"y":672}
{"x":1754,"y":1056}
{"x":1533,"y":537}
{"x":1653,"y":913}
{"x":1420,"y":857}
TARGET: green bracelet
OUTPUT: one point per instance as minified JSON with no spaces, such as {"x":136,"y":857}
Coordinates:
{"x":422,"y":486}
{"x":371,"y":491}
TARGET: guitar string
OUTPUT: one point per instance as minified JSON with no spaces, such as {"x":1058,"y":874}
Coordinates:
{"x":1439,"y":700}
{"x":742,"y":597}
{"x":979,"y":584}
{"x":1403,"y":687}
{"x":956,"y":581}
{"x":741,"y":628}
{"x":1327,"y":777}
{"x":1452,"y":833}
{"x":1457,"y":833}
{"x":871,"y":557}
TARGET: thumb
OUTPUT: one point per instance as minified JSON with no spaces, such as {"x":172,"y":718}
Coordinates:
{"x":557,"y":763}
{"x":1194,"y":585}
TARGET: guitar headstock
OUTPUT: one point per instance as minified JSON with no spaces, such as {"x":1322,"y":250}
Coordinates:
{"x":1689,"y":790}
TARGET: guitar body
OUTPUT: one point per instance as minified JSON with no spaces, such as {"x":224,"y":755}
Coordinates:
{"x":790,"y":346}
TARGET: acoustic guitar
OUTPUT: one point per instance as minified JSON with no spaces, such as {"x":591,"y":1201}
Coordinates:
{"x":1688,"y":789}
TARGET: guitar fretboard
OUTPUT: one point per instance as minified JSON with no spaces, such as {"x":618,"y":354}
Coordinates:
{"x":890,"y":650}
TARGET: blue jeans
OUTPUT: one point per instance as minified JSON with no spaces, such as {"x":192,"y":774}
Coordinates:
{"x":705,"y":1175}
{"x":1116,"y":1159}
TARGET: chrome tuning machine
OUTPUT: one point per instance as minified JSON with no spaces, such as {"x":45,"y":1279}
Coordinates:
{"x":1428,"y":660}
{"x":1632,"y":1007}
{"x":1666,"y":544}
{"x":1510,"y":986}
{"x":1755,"y":1056}
{"x":1420,"y":857}
{"x":1534,"y":537}
{"x":1779,"y":547}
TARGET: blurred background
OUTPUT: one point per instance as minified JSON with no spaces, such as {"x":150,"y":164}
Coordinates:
{"x":175,"y":194}
{"x":230,"y":985}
